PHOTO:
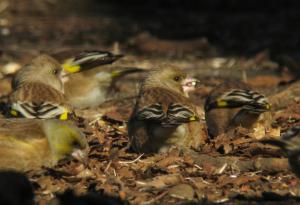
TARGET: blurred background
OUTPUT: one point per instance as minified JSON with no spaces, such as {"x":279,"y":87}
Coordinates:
{"x":216,"y":27}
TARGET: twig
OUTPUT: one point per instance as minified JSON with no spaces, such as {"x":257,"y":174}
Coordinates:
{"x":221,"y":170}
{"x":197,"y":166}
{"x":133,"y":161}
{"x":155,"y":199}
{"x":108,"y":165}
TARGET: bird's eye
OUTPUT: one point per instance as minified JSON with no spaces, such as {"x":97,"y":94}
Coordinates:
{"x":177,"y":78}
{"x":55,"y":71}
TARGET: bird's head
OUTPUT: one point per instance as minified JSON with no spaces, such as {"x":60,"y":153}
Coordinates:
{"x":65,"y":139}
{"x":42,"y":69}
{"x":169,"y":77}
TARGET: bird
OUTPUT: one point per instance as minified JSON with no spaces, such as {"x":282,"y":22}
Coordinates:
{"x":97,"y":84}
{"x":233,"y":104}
{"x":163,"y":118}
{"x":74,"y":62}
{"x":93,"y":87}
{"x":289,"y":142}
{"x":29,"y":144}
{"x":38,"y":91}
{"x":15,"y":189}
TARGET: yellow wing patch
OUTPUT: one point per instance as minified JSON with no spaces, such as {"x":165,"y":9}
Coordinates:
{"x":71,"y":68}
{"x":64,"y":116}
{"x":222,"y":103}
{"x":115,"y":73}
{"x":268,"y":106}
{"x":14,"y":113}
{"x":193,"y":118}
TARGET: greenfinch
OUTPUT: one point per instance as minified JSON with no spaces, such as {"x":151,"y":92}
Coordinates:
{"x":163,"y":117}
{"x":27,"y":144}
{"x":96,"y":86}
{"x":233,"y":104}
{"x":38,"y":91}
{"x":289,"y":142}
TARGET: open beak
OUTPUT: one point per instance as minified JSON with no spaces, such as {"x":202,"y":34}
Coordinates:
{"x":80,"y":155}
{"x":64,"y":76}
{"x":189,"y":85}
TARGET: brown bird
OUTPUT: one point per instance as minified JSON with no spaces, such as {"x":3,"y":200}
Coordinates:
{"x":38,"y":91}
{"x":233,"y":104}
{"x":163,"y":118}
{"x":27,"y":144}
{"x":289,"y":142}
{"x":96,"y":86}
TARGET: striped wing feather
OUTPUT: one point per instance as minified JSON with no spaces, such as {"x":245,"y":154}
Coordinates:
{"x":34,"y":100}
{"x":164,"y":106}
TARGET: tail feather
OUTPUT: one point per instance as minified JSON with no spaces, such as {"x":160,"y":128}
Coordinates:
{"x":279,"y":143}
{"x":126,"y":71}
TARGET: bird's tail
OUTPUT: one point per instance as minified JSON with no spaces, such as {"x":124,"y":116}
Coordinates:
{"x":125,"y":71}
{"x":289,"y":140}
{"x":276,"y":142}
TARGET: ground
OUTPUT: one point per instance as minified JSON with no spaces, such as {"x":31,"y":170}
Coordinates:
{"x":243,"y":42}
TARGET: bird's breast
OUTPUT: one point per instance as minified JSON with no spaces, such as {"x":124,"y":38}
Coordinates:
{"x":91,"y":98}
{"x":170,"y":132}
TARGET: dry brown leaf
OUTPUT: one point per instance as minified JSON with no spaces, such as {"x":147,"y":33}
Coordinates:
{"x":161,"y":182}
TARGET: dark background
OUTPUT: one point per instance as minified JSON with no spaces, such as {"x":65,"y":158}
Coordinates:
{"x":231,"y":27}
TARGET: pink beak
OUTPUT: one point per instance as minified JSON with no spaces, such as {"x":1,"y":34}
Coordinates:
{"x":189,"y":85}
{"x":64,"y":76}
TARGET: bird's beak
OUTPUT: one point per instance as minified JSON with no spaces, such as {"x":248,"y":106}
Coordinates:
{"x":189,"y":84}
{"x":80,"y":155}
{"x":64,"y":76}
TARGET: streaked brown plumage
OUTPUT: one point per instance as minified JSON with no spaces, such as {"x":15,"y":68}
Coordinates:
{"x":27,"y":144}
{"x":243,"y":108}
{"x":289,"y":142}
{"x":163,"y":117}
{"x":38,"y":90}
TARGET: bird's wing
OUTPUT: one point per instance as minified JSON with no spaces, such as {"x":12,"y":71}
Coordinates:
{"x":89,"y":59}
{"x":288,"y":141}
{"x":33,"y":100}
{"x":179,"y":113}
{"x":152,"y":112}
{"x":165,"y":106}
{"x":44,"y":110}
{"x":238,"y":98}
